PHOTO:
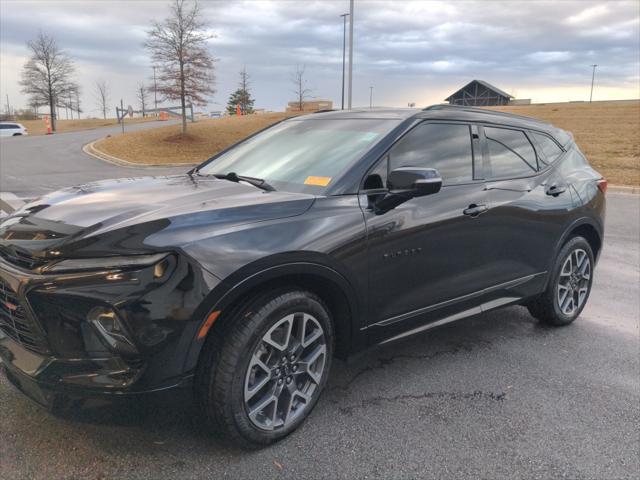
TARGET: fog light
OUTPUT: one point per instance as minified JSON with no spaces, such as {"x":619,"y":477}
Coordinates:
{"x":111,"y":330}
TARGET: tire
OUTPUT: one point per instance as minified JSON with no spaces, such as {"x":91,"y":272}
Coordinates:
{"x":569,"y":286}
{"x":252,"y":381}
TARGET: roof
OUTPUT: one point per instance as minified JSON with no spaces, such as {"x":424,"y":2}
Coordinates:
{"x":484,"y":84}
{"x":363,"y":113}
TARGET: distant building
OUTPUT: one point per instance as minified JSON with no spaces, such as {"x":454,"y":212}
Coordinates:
{"x":479,"y":93}
{"x":310,"y":106}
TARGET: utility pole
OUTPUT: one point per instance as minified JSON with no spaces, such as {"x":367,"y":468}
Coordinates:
{"x":155,"y":88}
{"x":344,"y":42}
{"x":8,"y":107}
{"x":370,"y":97}
{"x":350,"y":96}
{"x":593,"y":76}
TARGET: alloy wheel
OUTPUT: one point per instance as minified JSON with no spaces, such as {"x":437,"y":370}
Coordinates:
{"x":574,"y":282}
{"x":285,"y":371}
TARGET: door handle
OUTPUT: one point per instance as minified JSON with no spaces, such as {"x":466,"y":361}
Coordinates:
{"x":474,"y":210}
{"x":556,"y":189}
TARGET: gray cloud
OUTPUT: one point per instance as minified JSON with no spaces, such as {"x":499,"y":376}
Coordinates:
{"x":409,"y":50}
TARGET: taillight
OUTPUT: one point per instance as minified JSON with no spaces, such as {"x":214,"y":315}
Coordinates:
{"x":602,"y":185}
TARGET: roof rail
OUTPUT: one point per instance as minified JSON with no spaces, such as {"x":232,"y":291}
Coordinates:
{"x":446,"y":106}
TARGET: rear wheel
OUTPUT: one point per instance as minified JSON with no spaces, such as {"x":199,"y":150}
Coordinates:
{"x":262,"y":373}
{"x":569,"y":286}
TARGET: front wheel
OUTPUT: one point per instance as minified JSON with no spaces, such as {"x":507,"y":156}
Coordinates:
{"x":569,"y":286}
{"x":262,"y":373}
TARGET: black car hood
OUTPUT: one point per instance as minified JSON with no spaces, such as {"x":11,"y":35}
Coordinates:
{"x":76,"y":214}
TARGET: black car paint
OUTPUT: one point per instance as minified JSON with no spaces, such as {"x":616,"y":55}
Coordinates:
{"x":421,"y":264}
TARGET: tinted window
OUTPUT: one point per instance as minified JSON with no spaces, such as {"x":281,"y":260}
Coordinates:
{"x":304,"y":155}
{"x":512,"y":155}
{"x":549,"y":149}
{"x":6,"y":126}
{"x":444,"y":147}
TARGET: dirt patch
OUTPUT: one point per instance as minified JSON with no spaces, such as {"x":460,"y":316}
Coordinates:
{"x":38,"y":127}
{"x":166,"y":145}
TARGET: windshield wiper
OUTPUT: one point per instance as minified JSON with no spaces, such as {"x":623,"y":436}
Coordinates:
{"x":256,"y":182}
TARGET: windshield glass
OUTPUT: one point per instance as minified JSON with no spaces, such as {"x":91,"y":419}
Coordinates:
{"x":302,"y":155}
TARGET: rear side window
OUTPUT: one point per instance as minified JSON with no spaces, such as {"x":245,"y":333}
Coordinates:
{"x":511,"y":153}
{"x":445,"y":147}
{"x":7,"y":126}
{"x":549,"y":149}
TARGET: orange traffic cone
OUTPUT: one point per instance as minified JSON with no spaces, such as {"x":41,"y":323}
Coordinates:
{"x":47,"y":122}
{"x":238,"y":111}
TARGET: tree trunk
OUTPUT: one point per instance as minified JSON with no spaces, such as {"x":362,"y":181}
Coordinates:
{"x":52,"y":110}
{"x":183,"y":100}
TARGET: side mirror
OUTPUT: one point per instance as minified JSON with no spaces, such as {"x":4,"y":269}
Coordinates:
{"x":414,"y":181}
{"x":406,"y":183}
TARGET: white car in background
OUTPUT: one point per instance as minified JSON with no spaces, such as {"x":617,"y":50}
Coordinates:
{"x":12,"y":129}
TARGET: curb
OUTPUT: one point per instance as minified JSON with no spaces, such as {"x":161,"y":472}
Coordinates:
{"x":623,"y":189}
{"x":90,"y":149}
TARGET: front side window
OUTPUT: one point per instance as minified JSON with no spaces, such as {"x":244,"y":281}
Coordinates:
{"x":445,"y":147}
{"x":511,"y":153}
{"x":302,"y":155}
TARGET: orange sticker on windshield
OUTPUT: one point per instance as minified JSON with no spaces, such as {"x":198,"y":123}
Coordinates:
{"x":318,"y":181}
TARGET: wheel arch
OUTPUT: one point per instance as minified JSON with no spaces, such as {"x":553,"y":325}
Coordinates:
{"x":324,"y":281}
{"x":585,"y":227}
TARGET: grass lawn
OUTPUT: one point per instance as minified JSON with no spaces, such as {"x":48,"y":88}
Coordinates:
{"x":607,"y":132}
{"x":38,"y":127}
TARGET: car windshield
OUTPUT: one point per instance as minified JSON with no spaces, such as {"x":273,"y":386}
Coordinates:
{"x":302,"y":155}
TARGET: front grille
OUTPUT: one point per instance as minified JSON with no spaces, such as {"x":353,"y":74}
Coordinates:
{"x":15,"y":323}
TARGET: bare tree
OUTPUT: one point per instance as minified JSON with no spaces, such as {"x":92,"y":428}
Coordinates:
{"x":178,"y":45}
{"x":76,"y":93}
{"x":142,"y":93}
{"x":300,"y":83}
{"x":46,"y":76}
{"x":102,"y":97}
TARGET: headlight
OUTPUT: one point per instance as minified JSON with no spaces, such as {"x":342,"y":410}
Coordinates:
{"x":105,"y":263}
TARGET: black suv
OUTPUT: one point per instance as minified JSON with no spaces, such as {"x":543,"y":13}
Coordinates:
{"x":313,"y":238}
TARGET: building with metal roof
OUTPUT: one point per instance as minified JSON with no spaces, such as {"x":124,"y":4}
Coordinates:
{"x":479,"y":93}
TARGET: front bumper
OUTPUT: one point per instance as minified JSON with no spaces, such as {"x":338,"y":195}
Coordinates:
{"x":53,"y":351}
{"x":35,"y":377}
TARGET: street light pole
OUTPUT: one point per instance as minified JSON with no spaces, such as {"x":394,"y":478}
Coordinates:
{"x":370,"y":97}
{"x":593,"y":76}
{"x":350,"y":52}
{"x":344,"y":43}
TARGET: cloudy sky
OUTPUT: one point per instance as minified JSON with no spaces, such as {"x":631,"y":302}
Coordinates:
{"x":409,"y":51}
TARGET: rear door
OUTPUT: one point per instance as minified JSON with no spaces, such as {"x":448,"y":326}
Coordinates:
{"x":529,"y":204}
{"x":428,"y":253}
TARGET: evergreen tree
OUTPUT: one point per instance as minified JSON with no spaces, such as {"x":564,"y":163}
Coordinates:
{"x":242,"y":96}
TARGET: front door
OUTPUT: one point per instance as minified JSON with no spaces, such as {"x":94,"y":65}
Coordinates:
{"x":426,"y":256}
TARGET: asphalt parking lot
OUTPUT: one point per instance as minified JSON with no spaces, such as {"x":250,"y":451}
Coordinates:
{"x":495,"y":396}
{"x":33,"y":165}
